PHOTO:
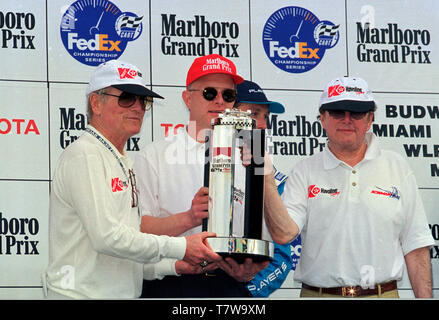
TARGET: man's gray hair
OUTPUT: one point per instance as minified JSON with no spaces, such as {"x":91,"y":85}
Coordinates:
{"x":100,"y":92}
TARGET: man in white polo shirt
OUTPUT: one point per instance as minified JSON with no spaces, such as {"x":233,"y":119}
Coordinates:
{"x":96,"y":247}
{"x":357,"y":207}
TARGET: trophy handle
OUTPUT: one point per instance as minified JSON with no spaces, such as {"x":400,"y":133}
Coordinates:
{"x":206,"y":170}
{"x":254,"y":184}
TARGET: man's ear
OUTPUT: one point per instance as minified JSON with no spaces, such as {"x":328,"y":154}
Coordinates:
{"x":95,"y":102}
{"x":186,"y":95}
{"x":370,"y":119}
{"x":322,"y":119}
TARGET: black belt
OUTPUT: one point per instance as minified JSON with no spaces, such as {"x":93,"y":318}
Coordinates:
{"x":354,"y":291}
{"x":216,"y":272}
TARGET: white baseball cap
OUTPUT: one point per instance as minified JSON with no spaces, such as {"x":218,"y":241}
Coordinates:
{"x":348,"y":94}
{"x":120,"y":75}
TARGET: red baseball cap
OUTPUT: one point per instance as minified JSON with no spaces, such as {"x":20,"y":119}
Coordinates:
{"x":210,"y":64}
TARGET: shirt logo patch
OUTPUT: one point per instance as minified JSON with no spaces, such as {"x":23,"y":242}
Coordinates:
{"x":313,"y":191}
{"x":127,"y":73}
{"x":335,"y":90}
{"x":118,"y":185}
{"x":394,"y":193}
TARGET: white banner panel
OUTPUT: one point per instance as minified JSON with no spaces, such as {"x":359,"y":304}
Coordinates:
{"x":23,"y":232}
{"x":49,"y":49}
{"x":296,"y":134}
{"x":297,"y":45}
{"x":180,"y":33}
{"x":68,"y":119}
{"x":170,"y":114}
{"x":394,"y":45}
{"x":23,"y":40}
{"x":407,"y":124}
{"x":24,"y":130}
{"x":85,"y":33}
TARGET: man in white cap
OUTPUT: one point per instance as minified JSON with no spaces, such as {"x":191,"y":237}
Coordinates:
{"x":96,"y":247}
{"x":357,"y":207}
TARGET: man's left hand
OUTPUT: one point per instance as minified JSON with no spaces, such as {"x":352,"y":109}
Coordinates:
{"x":243,"y":272}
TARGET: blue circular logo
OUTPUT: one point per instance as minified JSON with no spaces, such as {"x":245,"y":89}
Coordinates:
{"x":97,"y":31}
{"x":295,"y":40}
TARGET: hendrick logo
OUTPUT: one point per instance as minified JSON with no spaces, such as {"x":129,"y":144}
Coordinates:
{"x":313,"y":191}
{"x":392,"y":44}
{"x":118,"y":185}
{"x":295,"y":40}
{"x":198,"y":36}
{"x":97,"y":31}
{"x":127,"y":73}
{"x":339,"y":89}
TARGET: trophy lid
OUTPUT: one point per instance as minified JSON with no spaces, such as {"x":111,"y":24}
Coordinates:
{"x":237,"y":118}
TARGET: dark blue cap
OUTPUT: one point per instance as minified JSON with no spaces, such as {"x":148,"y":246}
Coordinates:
{"x":250,"y":92}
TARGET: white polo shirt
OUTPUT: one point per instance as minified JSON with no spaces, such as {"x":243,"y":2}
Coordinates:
{"x":96,"y":247}
{"x":356,"y":223}
{"x":169,"y":173}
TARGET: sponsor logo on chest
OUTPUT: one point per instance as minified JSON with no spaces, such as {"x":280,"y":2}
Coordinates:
{"x":118,"y":184}
{"x":392,"y":193}
{"x":314,"y":191}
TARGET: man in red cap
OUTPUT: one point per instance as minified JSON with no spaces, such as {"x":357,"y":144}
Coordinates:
{"x":170,"y":179}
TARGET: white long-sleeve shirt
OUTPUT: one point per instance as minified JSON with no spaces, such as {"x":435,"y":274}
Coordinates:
{"x":96,"y":247}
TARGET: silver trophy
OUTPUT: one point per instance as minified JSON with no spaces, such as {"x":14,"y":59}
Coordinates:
{"x":236,"y":192}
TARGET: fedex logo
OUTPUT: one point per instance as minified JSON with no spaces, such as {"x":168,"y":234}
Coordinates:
{"x":118,"y":185}
{"x":127,"y":73}
{"x":98,"y":43}
{"x":299,"y":50}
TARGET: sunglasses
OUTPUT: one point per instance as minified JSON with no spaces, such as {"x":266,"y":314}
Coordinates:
{"x":127,"y":100}
{"x":340,"y":114}
{"x":209,"y":93}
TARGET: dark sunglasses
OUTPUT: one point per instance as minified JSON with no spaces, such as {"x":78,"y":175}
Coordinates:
{"x":209,"y":93}
{"x":127,"y":100}
{"x":340,"y":114}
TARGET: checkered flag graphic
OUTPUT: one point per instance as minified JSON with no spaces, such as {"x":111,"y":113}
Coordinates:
{"x":130,"y":22}
{"x":327,"y":30}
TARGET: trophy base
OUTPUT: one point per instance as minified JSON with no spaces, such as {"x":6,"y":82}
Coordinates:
{"x":241,"y":248}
